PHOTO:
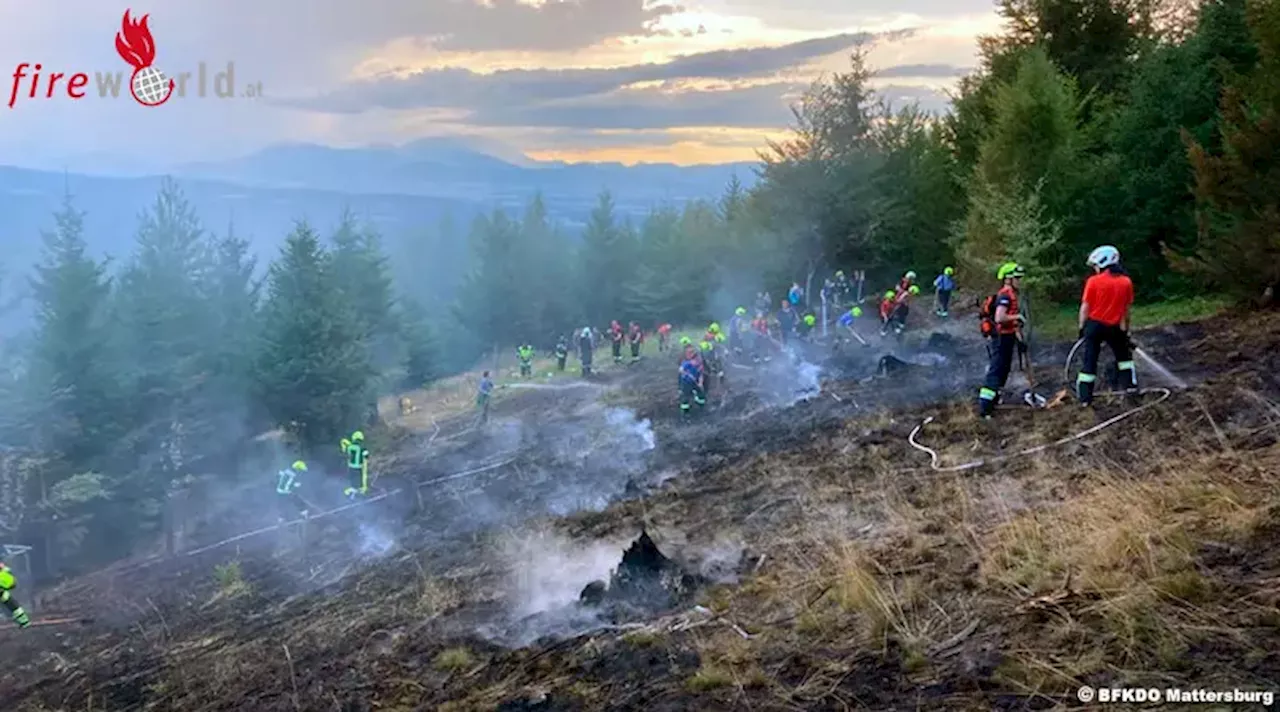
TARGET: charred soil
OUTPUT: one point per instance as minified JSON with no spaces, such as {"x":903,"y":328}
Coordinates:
{"x":805,"y":556}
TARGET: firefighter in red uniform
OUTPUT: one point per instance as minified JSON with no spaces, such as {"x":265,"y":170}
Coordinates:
{"x":615,"y":340}
{"x":664,"y":337}
{"x":1104,"y":318}
{"x":1008,"y":335}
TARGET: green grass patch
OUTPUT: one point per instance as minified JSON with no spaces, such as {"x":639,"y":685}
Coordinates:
{"x":1060,"y":323}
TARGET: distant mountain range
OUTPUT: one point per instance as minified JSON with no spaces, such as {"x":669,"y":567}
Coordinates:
{"x":398,"y":190}
{"x":468,"y":170}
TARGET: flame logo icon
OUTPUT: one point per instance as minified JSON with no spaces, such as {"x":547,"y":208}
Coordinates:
{"x":148,"y":85}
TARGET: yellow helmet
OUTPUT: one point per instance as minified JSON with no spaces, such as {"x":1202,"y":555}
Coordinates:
{"x":300,"y":466}
{"x":357,"y":437}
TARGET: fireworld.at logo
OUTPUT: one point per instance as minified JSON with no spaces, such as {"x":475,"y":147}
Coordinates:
{"x":147,"y":84}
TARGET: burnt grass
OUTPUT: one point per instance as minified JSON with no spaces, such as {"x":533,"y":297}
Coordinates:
{"x":809,"y":557}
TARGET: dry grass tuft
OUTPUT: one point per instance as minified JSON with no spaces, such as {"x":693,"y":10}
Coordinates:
{"x":453,"y":660}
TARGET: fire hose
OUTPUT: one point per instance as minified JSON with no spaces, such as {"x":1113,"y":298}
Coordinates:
{"x":1165,"y":393}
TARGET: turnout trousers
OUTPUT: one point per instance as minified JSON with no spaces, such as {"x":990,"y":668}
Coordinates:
{"x":358,"y":479}
{"x":1000,"y":349}
{"x":690,"y":393}
{"x":1095,"y":335}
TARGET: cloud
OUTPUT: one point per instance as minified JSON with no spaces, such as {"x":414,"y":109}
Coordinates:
{"x":309,"y":43}
{"x":923,"y":70}
{"x":513,"y":88}
{"x":764,"y":106}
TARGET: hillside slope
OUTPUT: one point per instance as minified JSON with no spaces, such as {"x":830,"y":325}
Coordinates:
{"x":825,"y":564}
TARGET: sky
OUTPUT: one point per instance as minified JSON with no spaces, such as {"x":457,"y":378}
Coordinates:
{"x":681,"y":81}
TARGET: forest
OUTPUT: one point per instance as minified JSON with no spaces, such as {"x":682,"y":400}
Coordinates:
{"x":1151,"y":126}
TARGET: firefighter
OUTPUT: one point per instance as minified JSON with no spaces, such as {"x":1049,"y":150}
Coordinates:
{"x":7,"y":583}
{"x":664,"y":337}
{"x":807,"y":325}
{"x":843,"y":290}
{"x":1104,"y":318}
{"x":759,"y":337}
{"x":525,"y":354}
{"x":943,"y":286}
{"x":795,"y":295}
{"x":287,"y":482}
{"x":900,"y":309}
{"x":615,"y":338}
{"x":886,"y":310}
{"x":483,"y":395}
{"x":847,"y":320}
{"x":712,"y":363}
{"x":691,"y":381}
{"x":357,"y":465}
{"x":586,"y":344}
{"x":739,"y":325}
{"x":908,"y":280}
{"x":636,"y":339}
{"x":787,"y":319}
{"x":1007,"y":327}
{"x":562,"y":352}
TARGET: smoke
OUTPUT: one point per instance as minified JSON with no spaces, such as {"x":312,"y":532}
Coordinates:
{"x":545,"y":577}
{"x":720,"y":561}
{"x":634,"y":436}
{"x":788,"y":379}
{"x":374,"y":541}
{"x":548,"y":572}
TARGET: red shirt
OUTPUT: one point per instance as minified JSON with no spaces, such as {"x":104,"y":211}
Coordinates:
{"x":1007,"y":297}
{"x":1109,"y":297}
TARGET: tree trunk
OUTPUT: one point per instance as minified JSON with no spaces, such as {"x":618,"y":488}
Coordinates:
{"x":808,"y":281}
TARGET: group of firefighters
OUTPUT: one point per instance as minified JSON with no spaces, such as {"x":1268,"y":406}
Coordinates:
{"x":1103,"y":319}
{"x":289,"y":479}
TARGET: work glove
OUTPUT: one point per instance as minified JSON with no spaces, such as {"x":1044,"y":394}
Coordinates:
{"x":1129,"y":340}
{"x":1022,"y":347}
{"x":1080,"y":334}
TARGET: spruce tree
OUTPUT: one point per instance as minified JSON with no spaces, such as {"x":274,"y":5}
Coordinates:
{"x":313,"y":364}
{"x":164,"y":315}
{"x":70,"y":391}
{"x":606,"y":265}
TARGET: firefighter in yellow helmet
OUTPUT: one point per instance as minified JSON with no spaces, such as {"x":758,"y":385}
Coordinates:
{"x":7,"y":583}
{"x":357,"y":465}
{"x":287,"y":483}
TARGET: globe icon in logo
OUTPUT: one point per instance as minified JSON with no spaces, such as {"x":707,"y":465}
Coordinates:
{"x":150,"y":86}
{"x":136,"y":46}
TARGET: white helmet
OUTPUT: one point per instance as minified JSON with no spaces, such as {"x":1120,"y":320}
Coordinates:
{"x":1103,"y":257}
